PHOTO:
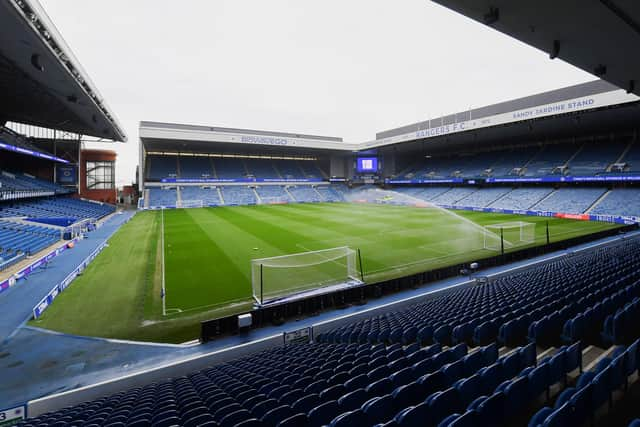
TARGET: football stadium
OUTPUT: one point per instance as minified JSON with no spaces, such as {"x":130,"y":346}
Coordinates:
{"x":478,"y":268}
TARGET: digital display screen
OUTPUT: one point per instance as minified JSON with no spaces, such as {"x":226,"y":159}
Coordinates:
{"x":367,"y":164}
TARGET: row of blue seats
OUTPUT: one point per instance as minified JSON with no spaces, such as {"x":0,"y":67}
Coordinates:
{"x":584,"y":326}
{"x":593,"y":158}
{"x":62,"y":207}
{"x":244,"y":195}
{"x":506,"y":394}
{"x":300,"y":379}
{"x":159,"y":167}
{"x":576,"y":405}
{"x":476,"y":314}
{"x":624,"y":202}
{"x":17,"y":238}
{"x":621,"y":327}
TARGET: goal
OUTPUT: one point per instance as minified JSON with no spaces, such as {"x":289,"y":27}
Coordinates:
{"x":283,"y":276}
{"x":190,"y":204}
{"x":509,"y":235}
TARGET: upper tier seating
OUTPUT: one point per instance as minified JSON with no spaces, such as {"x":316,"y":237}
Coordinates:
{"x":393,"y":368}
{"x":508,"y":161}
{"x":55,"y":208}
{"x":23,"y":182}
{"x":595,"y":157}
{"x":311,"y":169}
{"x":570,"y":200}
{"x":632,"y":158}
{"x":159,"y":167}
{"x":624,"y":202}
{"x":195,"y":167}
{"x":549,"y":158}
{"x":258,"y":168}
{"x":230,"y":168}
{"x":198,"y":167}
{"x":289,"y":169}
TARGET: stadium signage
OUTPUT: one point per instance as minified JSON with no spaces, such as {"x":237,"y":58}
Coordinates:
{"x":264,"y":140}
{"x":424,"y":181}
{"x":617,"y":219}
{"x":300,"y":336}
{"x":9,"y":147}
{"x":545,"y":110}
{"x":42,"y":262}
{"x":12,"y":416}
{"x":231,"y":180}
{"x":55,"y":291}
{"x":600,"y":178}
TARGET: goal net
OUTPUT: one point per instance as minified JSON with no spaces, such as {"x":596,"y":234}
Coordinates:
{"x":190,"y":203}
{"x":511,"y":234}
{"x":282,"y":276}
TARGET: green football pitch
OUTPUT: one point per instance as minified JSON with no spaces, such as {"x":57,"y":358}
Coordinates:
{"x":208,"y":252}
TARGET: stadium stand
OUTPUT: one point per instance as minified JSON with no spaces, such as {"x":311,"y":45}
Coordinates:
{"x":619,"y":202}
{"x":511,"y":161}
{"x":18,"y":240}
{"x":208,"y":195}
{"x":162,"y":167}
{"x":596,"y":157}
{"x":570,"y":200}
{"x":163,"y":197}
{"x":521,"y":198}
{"x":630,"y":161}
{"x":27,"y":185}
{"x":257,"y":168}
{"x":238,"y":195}
{"x":484,"y":197}
{"x":273,"y":194}
{"x":424,"y":193}
{"x":55,"y":208}
{"x":195,"y":167}
{"x":311,"y":170}
{"x":452,"y":196}
{"x":550,"y":160}
{"x":288,"y":169}
{"x":230,"y":168}
{"x":304,"y":193}
{"x":593,"y":389}
{"x":332,"y":193}
{"x":436,"y":363}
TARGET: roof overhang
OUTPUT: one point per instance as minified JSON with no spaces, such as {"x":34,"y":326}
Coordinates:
{"x":41,"y":81}
{"x":600,"y":37}
{"x":172,"y":137}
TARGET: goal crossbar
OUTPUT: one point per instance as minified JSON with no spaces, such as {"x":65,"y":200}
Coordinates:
{"x":278,"y":277}
{"x":508,"y":234}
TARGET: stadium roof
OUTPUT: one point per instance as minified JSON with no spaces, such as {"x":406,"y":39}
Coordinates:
{"x":599,"y":36}
{"x":157,"y":136}
{"x":592,"y":107}
{"x":41,"y":81}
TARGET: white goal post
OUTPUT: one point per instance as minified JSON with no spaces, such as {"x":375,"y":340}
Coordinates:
{"x":190,"y":203}
{"x":283,"y":276}
{"x":509,"y":234}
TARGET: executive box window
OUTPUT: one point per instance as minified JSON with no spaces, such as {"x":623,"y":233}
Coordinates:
{"x":100,"y":175}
